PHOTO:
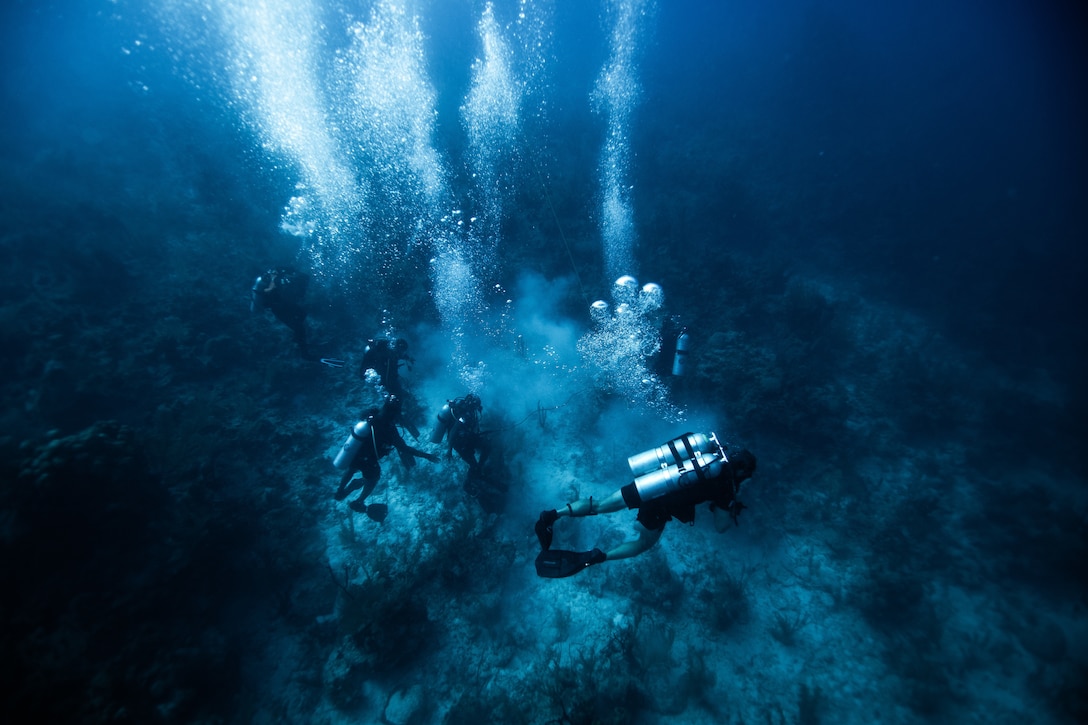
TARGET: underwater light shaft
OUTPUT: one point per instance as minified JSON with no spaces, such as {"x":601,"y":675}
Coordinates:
{"x":273,"y":67}
{"x":352,"y":105}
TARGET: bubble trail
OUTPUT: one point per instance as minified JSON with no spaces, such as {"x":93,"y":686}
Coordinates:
{"x":273,"y":68}
{"x":615,"y":96}
{"x":490,"y":115}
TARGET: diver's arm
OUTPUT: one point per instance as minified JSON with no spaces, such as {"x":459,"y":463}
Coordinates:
{"x":420,"y":454}
{"x":407,"y":452}
{"x":591,"y":506}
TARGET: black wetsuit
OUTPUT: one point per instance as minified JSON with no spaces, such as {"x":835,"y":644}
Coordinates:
{"x":281,"y":291}
{"x":383,"y":359}
{"x":385,"y":438}
{"x":465,"y":436}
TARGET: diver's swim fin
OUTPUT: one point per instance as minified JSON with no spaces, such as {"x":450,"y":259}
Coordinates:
{"x":557,"y":563}
{"x":543,"y":528}
{"x":377,"y":512}
{"x":374,"y":512}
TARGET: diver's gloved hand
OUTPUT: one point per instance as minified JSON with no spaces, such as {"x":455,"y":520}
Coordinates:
{"x":596,"y":557}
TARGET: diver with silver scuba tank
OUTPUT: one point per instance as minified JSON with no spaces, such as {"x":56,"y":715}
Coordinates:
{"x":669,"y":481}
{"x":370,"y":440}
{"x":459,"y":423}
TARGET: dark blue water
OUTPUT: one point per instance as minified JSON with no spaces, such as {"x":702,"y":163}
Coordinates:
{"x":868,"y":217}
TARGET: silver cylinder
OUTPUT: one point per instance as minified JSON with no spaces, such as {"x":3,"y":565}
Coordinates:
{"x":673,"y":453}
{"x":351,"y":445}
{"x":665,"y":480}
{"x":445,"y":420}
{"x":680,"y":357}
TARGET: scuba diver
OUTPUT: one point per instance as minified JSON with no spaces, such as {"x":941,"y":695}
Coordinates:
{"x":669,"y":481}
{"x":281,"y":290}
{"x":370,"y":440}
{"x":385,"y":357}
{"x":459,"y":423}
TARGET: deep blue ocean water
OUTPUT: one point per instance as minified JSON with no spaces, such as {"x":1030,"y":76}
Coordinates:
{"x":869,"y":219}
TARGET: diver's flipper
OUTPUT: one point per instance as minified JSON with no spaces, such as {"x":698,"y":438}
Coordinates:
{"x":557,"y":563}
{"x":543,"y":528}
{"x":377,"y":512}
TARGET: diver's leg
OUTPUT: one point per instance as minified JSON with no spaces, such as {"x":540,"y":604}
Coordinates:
{"x":295,"y":319}
{"x":483,"y":445}
{"x":646,"y":539}
{"x":581,"y":507}
{"x":467,"y":454}
{"x":371,"y":473}
{"x":347,"y":485}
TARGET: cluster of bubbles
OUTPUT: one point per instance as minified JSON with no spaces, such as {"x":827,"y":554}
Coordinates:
{"x":345,"y":96}
{"x":624,"y":339}
{"x":272,"y":64}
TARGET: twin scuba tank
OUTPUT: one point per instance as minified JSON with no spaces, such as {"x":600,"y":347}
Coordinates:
{"x":361,"y":432}
{"x":675,"y":465}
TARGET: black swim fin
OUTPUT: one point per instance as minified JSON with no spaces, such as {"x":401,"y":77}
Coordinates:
{"x":557,"y":563}
{"x":377,"y":512}
{"x":543,"y":527}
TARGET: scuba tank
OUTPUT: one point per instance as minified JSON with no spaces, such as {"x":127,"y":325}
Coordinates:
{"x":351,"y":446}
{"x":445,"y":422}
{"x":680,"y":358}
{"x":465,"y":411}
{"x":255,"y":295}
{"x":677,"y":464}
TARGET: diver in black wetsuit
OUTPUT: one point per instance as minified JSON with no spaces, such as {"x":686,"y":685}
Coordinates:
{"x":372,"y":439}
{"x":670,"y":481}
{"x":459,"y":423}
{"x":385,"y":357}
{"x":281,"y":291}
